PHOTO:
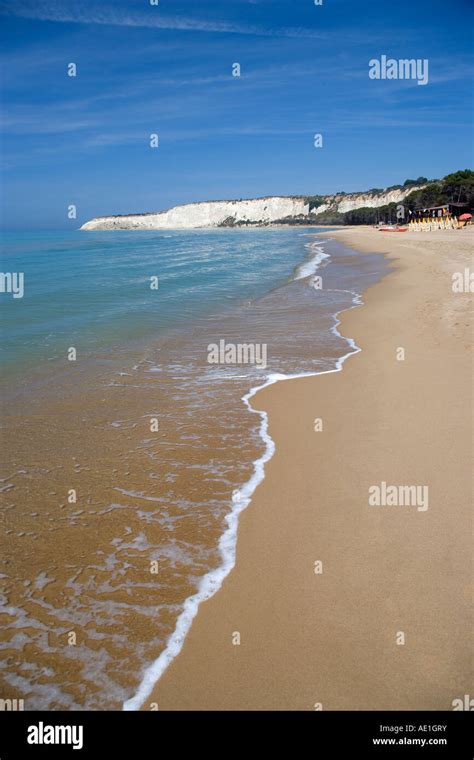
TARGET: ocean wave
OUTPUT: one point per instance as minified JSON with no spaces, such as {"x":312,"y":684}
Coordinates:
{"x":307,"y":268}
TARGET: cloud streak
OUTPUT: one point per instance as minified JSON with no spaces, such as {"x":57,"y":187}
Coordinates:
{"x":153,"y":19}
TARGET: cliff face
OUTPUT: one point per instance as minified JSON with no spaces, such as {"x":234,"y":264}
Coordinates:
{"x":209,"y":214}
{"x":351,"y":201}
{"x":234,"y":213}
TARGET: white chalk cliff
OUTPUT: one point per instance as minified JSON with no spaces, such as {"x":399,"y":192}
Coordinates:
{"x":257,"y":211}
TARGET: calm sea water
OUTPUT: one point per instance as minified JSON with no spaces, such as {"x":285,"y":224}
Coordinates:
{"x":152,"y":528}
{"x":91,"y":290}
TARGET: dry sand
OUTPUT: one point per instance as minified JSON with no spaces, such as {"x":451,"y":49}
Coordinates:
{"x":331,"y":638}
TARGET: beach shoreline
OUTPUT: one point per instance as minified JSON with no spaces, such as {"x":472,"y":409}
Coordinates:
{"x":382,"y":622}
{"x":154,"y":508}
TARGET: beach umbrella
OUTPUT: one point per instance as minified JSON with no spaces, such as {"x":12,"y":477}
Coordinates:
{"x":465,"y":216}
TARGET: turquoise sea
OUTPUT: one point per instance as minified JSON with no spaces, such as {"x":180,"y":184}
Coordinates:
{"x":92,"y":290}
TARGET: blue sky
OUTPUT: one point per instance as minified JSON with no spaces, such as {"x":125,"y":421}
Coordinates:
{"x":167,"y":69}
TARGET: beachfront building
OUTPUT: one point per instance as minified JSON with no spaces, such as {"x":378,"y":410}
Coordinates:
{"x":436,"y":217}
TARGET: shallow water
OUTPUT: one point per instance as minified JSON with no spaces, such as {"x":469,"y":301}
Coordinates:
{"x":156,"y":442}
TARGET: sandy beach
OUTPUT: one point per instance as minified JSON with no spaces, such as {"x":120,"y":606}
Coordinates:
{"x":381,"y":621}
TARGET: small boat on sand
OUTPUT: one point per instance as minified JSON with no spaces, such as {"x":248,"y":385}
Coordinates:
{"x":392,"y":228}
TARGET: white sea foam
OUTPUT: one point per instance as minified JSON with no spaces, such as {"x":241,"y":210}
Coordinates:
{"x":310,"y":267}
{"x":241,"y":498}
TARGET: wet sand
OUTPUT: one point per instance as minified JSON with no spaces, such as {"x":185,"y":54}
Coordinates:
{"x":332,"y":639}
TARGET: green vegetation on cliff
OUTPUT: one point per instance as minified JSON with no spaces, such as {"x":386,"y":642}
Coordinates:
{"x":454,"y":188}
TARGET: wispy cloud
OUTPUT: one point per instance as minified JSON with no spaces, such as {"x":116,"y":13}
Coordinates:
{"x":25,"y":122}
{"x":153,"y":18}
